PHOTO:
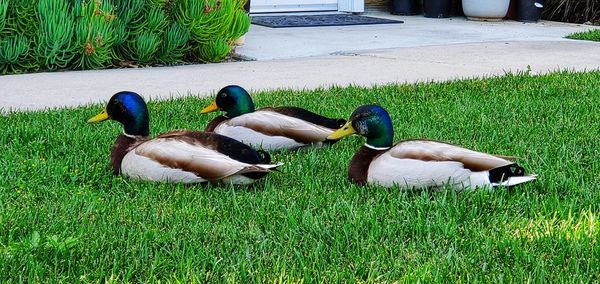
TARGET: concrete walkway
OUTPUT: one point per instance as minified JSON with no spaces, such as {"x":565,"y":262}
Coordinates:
{"x":462,"y":54}
{"x":265,"y":43}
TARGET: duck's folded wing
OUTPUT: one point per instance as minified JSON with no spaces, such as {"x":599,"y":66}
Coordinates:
{"x":204,"y":162}
{"x":276,"y":124}
{"x":387,"y":170}
{"x":308,"y":116}
{"x":427,"y":150}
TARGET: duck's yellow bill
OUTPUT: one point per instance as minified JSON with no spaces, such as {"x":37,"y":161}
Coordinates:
{"x":212,"y":107}
{"x":99,"y":117}
{"x":346,"y":130}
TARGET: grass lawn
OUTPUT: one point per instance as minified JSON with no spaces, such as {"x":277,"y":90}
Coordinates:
{"x":65,"y":217}
{"x":589,"y":35}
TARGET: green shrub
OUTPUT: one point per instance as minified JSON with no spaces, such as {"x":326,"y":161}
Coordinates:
{"x":55,"y":46}
{"x":212,"y":51}
{"x":13,"y":53}
{"x":593,"y":35}
{"x":94,"y":34}
{"x":174,"y":45}
{"x":40,"y":35}
{"x":3,"y":10}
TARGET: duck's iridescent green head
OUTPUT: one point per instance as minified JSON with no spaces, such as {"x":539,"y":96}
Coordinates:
{"x":129,"y":109}
{"x":370,"y":121}
{"x":233,"y":100}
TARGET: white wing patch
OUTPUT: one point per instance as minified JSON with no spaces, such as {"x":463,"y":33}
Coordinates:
{"x":273,"y":131}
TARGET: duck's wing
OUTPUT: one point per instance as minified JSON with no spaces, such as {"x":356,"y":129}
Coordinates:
{"x":388,"y":170}
{"x":182,"y":150}
{"x":275,"y":124}
{"x":428,"y":150}
{"x":309,"y":116}
{"x":222,"y":144}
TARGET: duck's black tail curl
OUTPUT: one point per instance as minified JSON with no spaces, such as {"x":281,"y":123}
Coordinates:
{"x":501,"y":174}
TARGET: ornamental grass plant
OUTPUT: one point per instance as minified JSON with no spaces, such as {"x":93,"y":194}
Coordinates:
{"x":572,"y":11}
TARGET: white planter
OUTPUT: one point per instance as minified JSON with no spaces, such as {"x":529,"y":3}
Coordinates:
{"x":485,"y":10}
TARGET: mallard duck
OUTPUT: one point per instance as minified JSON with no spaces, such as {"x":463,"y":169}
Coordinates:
{"x":420,"y":163}
{"x":178,"y":156}
{"x":270,"y":128}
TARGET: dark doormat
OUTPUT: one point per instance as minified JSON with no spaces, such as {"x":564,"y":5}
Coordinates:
{"x":318,"y":20}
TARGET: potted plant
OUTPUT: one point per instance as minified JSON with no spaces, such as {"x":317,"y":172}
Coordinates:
{"x":485,"y":10}
{"x":437,"y":8}
{"x":530,"y":10}
{"x":403,"y":7}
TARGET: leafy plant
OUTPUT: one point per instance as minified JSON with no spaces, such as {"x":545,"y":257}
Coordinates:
{"x":21,"y":17}
{"x":240,"y":24}
{"x":13,"y":53}
{"x":214,"y":51}
{"x":3,"y":10}
{"x":56,"y":46}
{"x":156,"y":20}
{"x":213,"y":24}
{"x":94,"y":34}
{"x":127,"y":11}
{"x":145,"y":47}
{"x":174,"y":45}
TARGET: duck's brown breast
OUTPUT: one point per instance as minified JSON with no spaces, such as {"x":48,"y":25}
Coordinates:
{"x":123,"y":144}
{"x":359,"y":165}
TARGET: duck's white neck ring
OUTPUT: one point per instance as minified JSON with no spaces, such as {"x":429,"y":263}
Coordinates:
{"x":132,"y":136}
{"x":376,"y":148}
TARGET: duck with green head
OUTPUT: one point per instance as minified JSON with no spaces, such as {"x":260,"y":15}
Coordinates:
{"x":178,"y":156}
{"x":271,"y":128}
{"x":420,"y":163}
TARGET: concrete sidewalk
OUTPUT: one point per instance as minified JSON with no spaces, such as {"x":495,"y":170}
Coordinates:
{"x":263,"y":43}
{"x":364,"y":66}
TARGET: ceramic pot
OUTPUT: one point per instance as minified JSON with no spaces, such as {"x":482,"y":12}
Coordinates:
{"x":485,"y":10}
{"x":437,"y":8}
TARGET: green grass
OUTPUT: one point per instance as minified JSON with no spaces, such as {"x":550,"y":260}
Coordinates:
{"x":65,"y":218}
{"x":593,"y":35}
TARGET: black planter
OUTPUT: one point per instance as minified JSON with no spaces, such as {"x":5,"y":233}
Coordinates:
{"x":529,"y":10}
{"x":456,"y":9}
{"x":403,"y":7}
{"x":437,"y":8}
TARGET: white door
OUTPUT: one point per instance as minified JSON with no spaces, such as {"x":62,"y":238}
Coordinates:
{"x":354,"y":6}
{"x":266,"y":6}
